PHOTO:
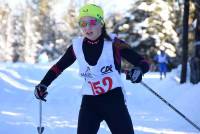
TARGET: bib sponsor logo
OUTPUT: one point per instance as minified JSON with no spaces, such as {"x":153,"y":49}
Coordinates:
{"x":85,"y":10}
{"x":106,"y":69}
{"x":87,"y":73}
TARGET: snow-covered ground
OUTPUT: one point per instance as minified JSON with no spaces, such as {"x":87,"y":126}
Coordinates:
{"x":19,"y":109}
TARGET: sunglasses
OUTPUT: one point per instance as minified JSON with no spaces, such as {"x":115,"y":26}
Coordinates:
{"x":89,"y":23}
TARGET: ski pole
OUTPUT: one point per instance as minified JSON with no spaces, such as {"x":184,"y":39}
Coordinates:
{"x":40,"y":129}
{"x":171,"y":106}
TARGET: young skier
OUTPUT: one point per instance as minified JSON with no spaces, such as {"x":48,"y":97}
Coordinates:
{"x":99,"y":59}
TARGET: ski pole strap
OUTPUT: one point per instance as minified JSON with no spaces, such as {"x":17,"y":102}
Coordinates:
{"x":171,"y":106}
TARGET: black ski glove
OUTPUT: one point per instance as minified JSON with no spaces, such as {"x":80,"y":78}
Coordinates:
{"x":41,"y":92}
{"x":134,"y":75}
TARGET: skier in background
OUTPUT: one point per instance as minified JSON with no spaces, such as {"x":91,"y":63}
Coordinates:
{"x":99,"y":58}
{"x":162,"y":60}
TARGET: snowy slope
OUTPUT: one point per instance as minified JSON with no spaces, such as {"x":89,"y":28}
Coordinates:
{"x":19,"y":108}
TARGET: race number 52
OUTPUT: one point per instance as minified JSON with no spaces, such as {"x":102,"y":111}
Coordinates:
{"x":98,"y":89}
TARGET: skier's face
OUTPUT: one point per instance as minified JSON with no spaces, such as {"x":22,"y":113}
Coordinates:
{"x":91,"y":27}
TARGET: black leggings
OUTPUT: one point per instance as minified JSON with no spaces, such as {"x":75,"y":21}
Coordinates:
{"x":109,"y":107}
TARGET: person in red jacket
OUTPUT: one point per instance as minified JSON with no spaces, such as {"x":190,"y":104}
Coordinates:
{"x":99,"y":57}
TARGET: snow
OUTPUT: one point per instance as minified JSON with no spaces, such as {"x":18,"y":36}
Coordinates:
{"x":19,"y":109}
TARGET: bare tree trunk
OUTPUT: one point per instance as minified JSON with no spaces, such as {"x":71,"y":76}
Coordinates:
{"x":185,"y":42}
{"x":195,"y":61}
{"x":197,"y":29}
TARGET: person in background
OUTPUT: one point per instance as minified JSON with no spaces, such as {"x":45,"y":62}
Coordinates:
{"x":99,"y":57}
{"x":162,"y":60}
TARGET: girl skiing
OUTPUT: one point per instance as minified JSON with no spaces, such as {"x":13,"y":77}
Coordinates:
{"x":99,"y":58}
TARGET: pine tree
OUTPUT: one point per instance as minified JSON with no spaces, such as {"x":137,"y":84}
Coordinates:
{"x":18,"y":37}
{"x":5,"y":30}
{"x":30,"y":35}
{"x":151,"y":26}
